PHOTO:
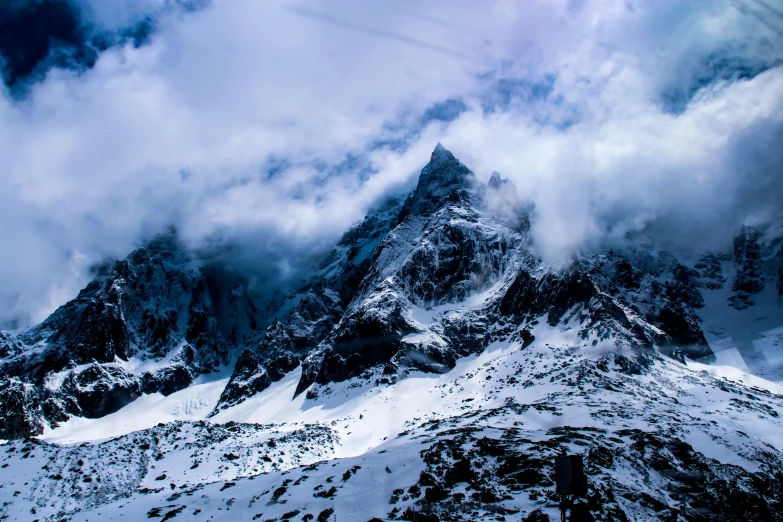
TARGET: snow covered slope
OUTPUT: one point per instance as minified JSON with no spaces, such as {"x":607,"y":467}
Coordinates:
{"x":474,"y":443}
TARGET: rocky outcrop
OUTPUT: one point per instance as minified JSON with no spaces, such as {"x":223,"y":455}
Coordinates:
{"x":665,"y":294}
{"x":99,"y":389}
{"x":319,"y":307}
{"x":749,"y":279}
{"x":710,"y":271}
{"x":10,"y":346}
{"x":368,"y":336}
{"x":780,"y":283}
{"x":20,"y":409}
{"x":259,"y":367}
{"x":167,"y":380}
{"x":153,"y":305}
{"x":443,"y":180}
{"x":411,"y":302}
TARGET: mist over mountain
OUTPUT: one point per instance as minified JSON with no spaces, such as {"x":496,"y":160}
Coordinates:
{"x":275,"y":261}
{"x":434,"y":297}
{"x":275,"y":126}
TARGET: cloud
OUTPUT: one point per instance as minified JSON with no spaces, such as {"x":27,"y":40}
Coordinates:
{"x":38,"y":35}
{"x":273,"y":127}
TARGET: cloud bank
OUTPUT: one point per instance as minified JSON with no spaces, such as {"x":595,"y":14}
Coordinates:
{"x":274,"y":126}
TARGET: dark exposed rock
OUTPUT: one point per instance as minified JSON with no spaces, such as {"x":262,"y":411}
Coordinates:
{"x":365,"y":338}
{"x":10,"y":346}
{"x":320,"y":307}
{"x":20,"y":413}
{"x":780,"y":281}
{"x":257,"y":368}
{"x":749,"y":279}
{"x":710,"y":271}
{"x":666,"y":294}
{"x":145,"y":305}
{"x":683,"y":286}
{"x":167,"y":380}
{"x":101,"y":389}
{"x":444,"y":180}
{"x":325,"y":515}
{"x":453,"y":262}
{"x":154,"y":304}
{"x":621,"y":272}
{"x":56,"y":409}
{"x":536,"y":516}
{"x":553,"y":294}
{"x":97,"y":331}
{"x":444,"y":245}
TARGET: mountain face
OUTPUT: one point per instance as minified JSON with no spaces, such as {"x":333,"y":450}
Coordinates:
{"x":143,"y":325}
{"x":431,"y":369}
{"x":454,"y":271}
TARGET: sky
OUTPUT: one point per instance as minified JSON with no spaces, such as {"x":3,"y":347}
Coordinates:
{"x":274,"y":126}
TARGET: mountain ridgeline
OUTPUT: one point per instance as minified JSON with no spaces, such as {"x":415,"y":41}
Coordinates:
{"x":422,"y":282}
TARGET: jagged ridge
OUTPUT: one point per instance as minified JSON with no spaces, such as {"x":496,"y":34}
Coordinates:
{"x":152,"y":307}
{"x":460,"y":253}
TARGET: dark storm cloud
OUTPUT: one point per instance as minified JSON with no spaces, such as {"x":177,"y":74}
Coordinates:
{"x":38,"y":35}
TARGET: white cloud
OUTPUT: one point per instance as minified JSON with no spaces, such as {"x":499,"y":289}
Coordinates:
{"x":183,"y":130}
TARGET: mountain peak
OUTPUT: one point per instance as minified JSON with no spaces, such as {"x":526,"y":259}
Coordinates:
{"x":443,"y":179}
{"x":495,"y":180}
{"x":441,"y":156}
{"x":498,"y":183}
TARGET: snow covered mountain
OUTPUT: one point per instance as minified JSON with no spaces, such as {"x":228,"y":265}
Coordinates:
{"x":455,"y":271}
{"x":431,"y":370}
{"x":143,"y":325}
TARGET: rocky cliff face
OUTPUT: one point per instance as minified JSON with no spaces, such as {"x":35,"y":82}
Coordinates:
{"x":747,"y":259}
{"x":318,"y":307}
{"x":454,"y":270}
{"x":145,"y":324}
{"x":780,"y":282}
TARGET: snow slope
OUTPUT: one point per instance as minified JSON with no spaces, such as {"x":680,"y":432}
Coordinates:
{"x":507,"y":412}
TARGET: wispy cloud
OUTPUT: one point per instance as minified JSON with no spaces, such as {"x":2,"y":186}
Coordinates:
{"x":274,"y":129}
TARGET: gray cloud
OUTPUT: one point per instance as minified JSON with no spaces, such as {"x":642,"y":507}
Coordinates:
{"x":247,"y":124}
